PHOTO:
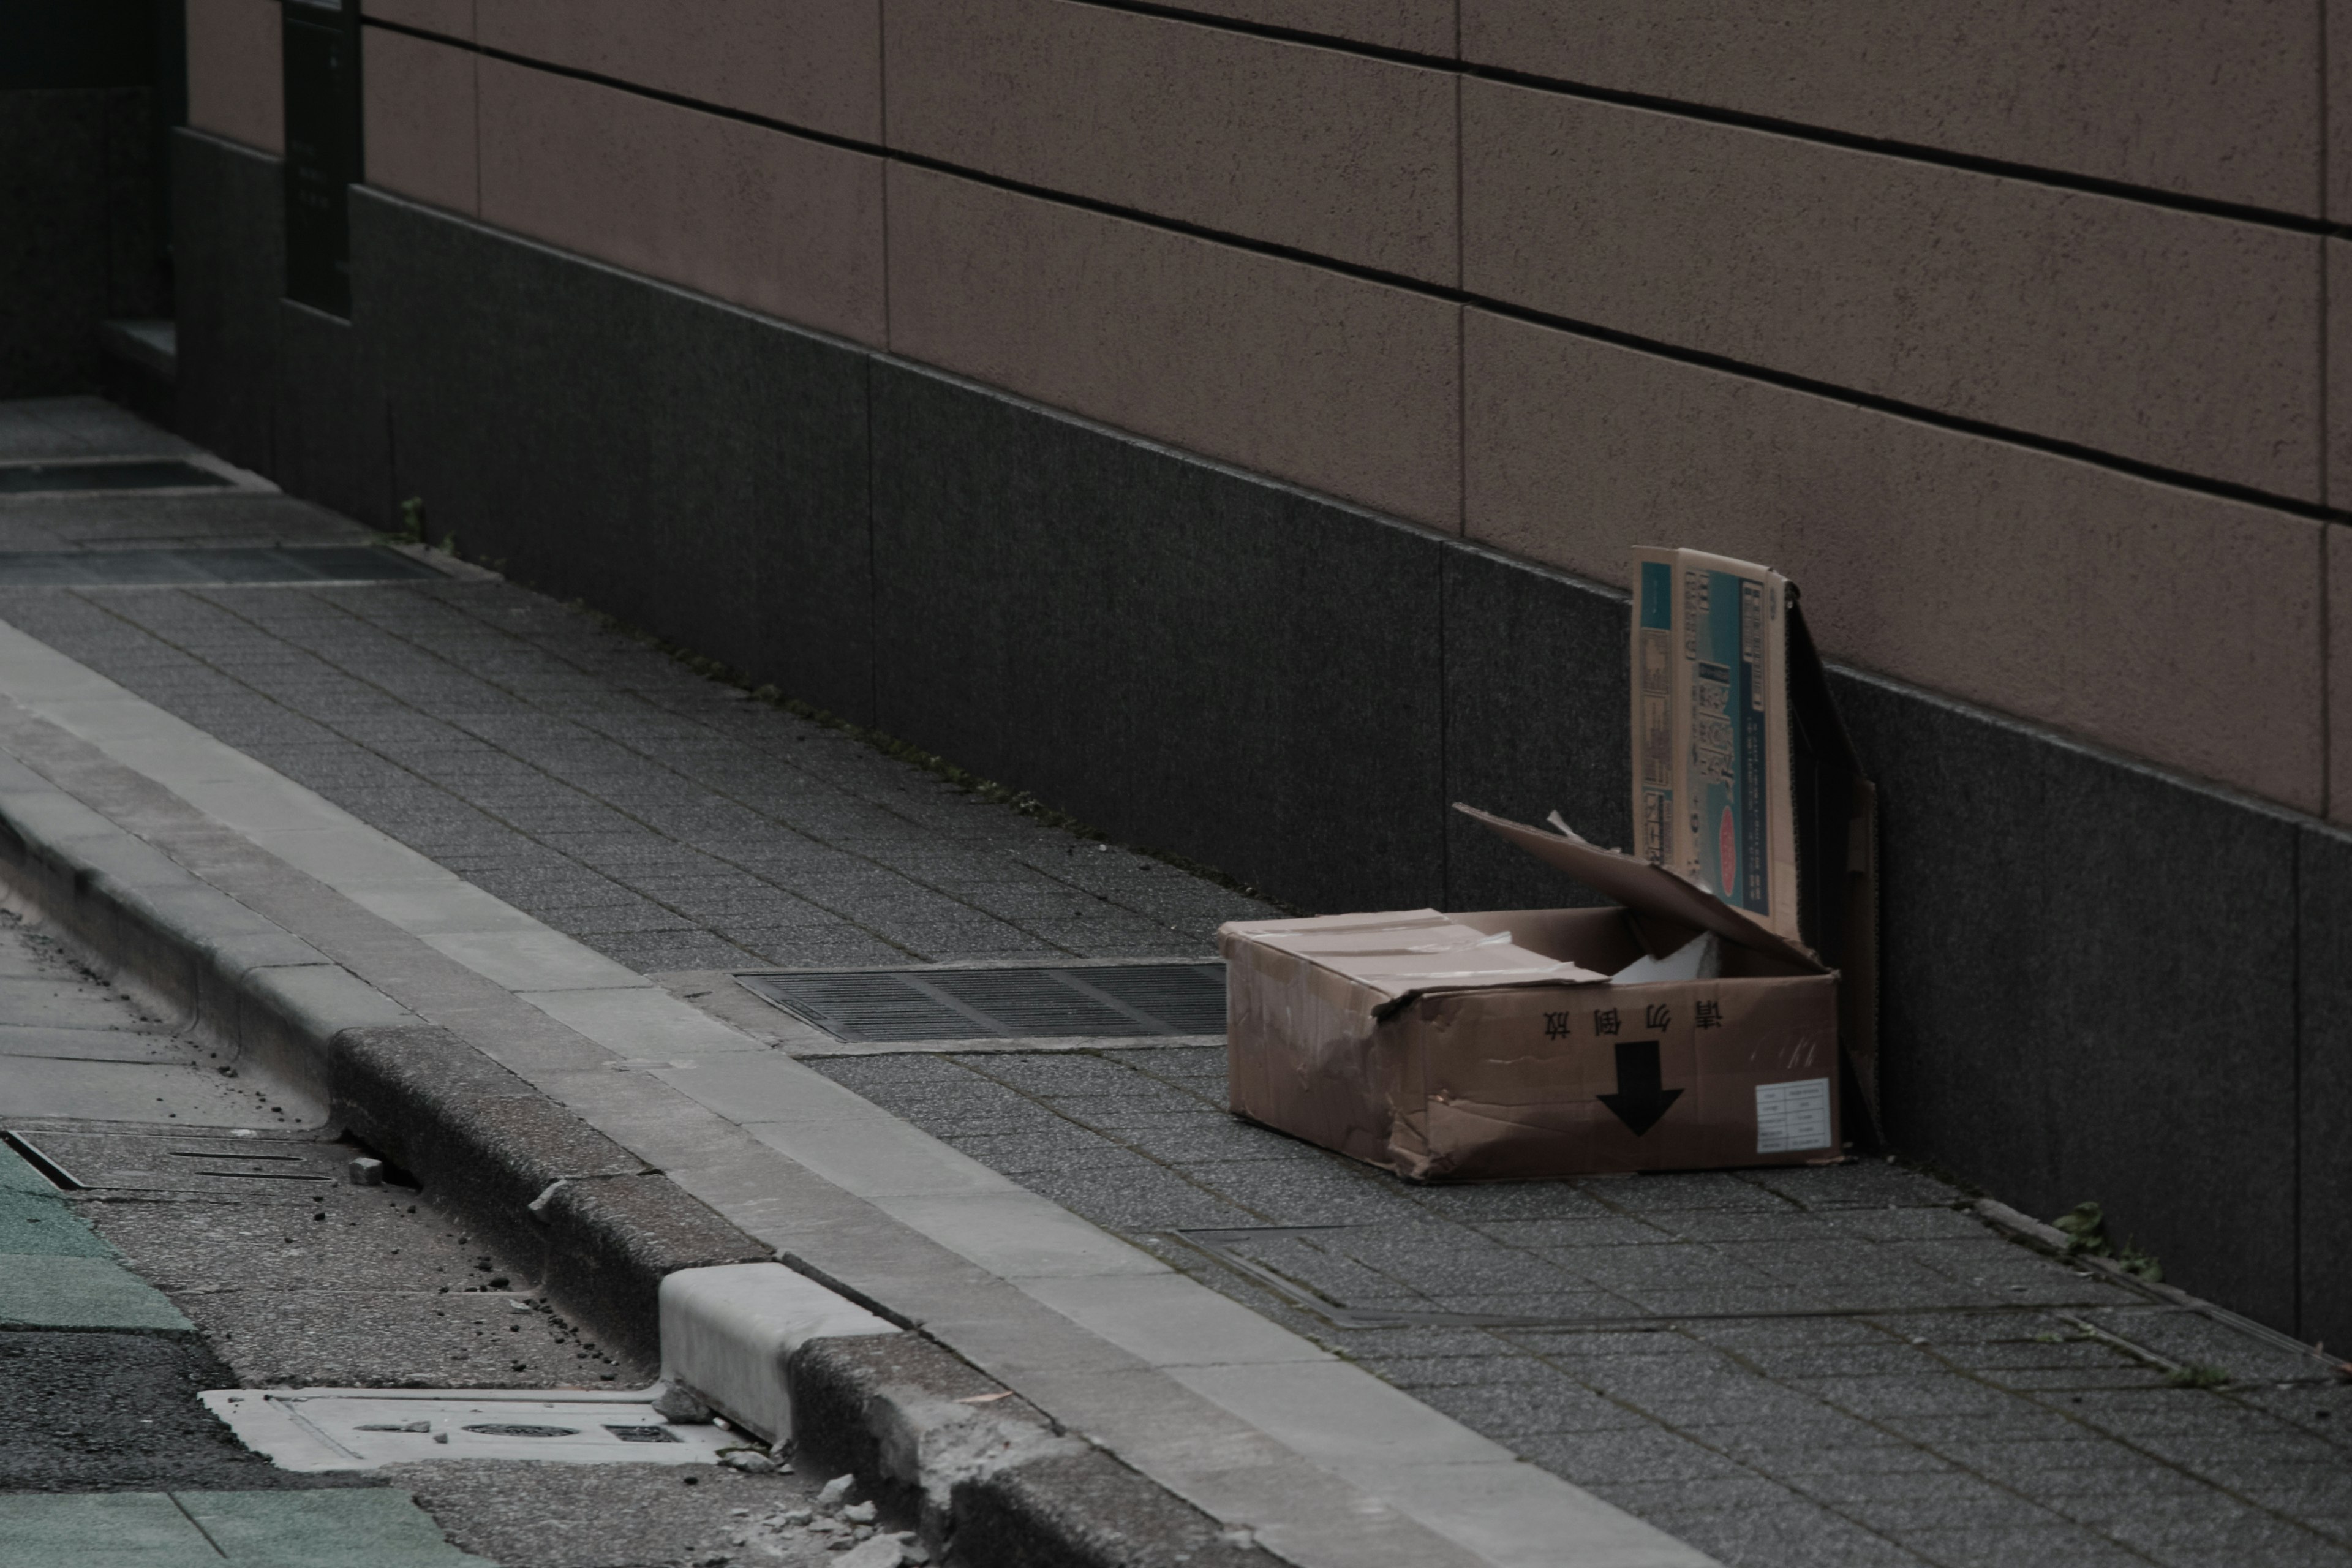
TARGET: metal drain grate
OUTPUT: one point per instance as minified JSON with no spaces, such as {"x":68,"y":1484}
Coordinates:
{"x":142,"y":474}
{"x":905,"y":1005}
{"x":254,"y":564}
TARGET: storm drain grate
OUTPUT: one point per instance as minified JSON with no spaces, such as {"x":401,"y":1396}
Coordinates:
{"x":142,"y":474}
{"x":229,"y":565}
{"x":905,"y":1006}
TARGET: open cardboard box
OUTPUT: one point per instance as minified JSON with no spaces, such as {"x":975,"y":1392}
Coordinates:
{"x":1506,"y":1045}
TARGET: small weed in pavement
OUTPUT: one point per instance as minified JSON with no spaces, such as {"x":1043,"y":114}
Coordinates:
{"x":2085,"y":1225}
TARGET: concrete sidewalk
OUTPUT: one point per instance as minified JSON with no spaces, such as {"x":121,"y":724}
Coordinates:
{"x":1841,"y":1365}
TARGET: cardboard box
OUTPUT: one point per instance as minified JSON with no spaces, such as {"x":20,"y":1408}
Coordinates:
{"x":1538,"y":1042}
{"x":1492,"y":1046}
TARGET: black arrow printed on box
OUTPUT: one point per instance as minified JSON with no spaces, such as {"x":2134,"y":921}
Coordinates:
{"x":1640,"y":1098}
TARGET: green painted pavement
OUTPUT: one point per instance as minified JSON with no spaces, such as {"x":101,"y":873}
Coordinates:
{"x":57,"y":1273}
{"x":36,"y":1222}
{"x":38,"y":1291}
{"x":343,"y":1528}
{"x":16,"y":1176}
{"x":137,"y":1530}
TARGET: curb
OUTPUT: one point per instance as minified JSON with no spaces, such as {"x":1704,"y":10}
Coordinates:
{"x":987,"y":1478}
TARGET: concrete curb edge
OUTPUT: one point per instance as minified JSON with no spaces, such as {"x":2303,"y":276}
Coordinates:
{"x":987,"y":1478}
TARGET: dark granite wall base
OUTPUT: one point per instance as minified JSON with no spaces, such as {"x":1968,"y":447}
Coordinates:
{"x":1192,"y":659}
{"x":229,"y":260}
{"x":692,"y":470}
{"x":78,"y":242}
{"x":2323,"y":1195}
{"x":2099,"y":983}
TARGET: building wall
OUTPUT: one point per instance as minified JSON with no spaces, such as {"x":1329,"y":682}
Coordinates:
{"x":80,"y":221}
{"x":1231,"y":428}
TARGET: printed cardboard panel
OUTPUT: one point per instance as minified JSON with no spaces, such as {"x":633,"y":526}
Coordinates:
{"x":1712,"y":798}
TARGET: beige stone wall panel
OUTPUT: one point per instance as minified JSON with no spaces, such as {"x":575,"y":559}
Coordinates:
{"x":2338,"y":351}
{"x":237,"y":85}
{"x":1333,"y":154}
{"x":451,"y":18}
{"x":2168,"y":624}
{"x":814,"y":64}
{"x":1286,"y":369}
{"x":2172,"y":338}
{"x":771,"y":222}
{"x":2213,"y":99}
{"x":417,"y":119}
{"x":2338,"y":69}
{"x":1422,"y":26}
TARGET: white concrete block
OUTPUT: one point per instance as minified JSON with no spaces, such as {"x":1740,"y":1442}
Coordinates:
{"x":728,"y":1332}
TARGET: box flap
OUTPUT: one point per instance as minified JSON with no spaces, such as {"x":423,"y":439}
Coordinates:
{"x":1411,"y":951}
{"x":1649,"y":890}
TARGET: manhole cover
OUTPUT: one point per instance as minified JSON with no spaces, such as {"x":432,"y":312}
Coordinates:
{"x":1125,"y":1000}
{"x":227,"y":566}
{"x":142,"y":474}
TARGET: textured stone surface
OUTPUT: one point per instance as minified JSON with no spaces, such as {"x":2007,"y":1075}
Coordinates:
{"x":231,"y":265}
{"x":1284,"y":368}
{"x":1536,"y":680}
{"x":1182,"y":656}
{"x":554,"y":417}
{"x":329,"y":437}
{"x":2175,"y":338}
{"x":417,"y":119}
{"x":2324,"y":1081}
{"x":2205,"y":99}
{"x":2101,"y":627}
{"x":77,"y":242}
{"x":236,"y":81}
{"x":1320,"y":149}
{"x":760,"y":218}
{"x":2094,"y":1033}
{"x":813,"y":63}
{"x":1422,"y":26}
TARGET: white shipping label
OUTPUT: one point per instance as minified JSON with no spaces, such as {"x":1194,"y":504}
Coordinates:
{"x":1793,"y":1116}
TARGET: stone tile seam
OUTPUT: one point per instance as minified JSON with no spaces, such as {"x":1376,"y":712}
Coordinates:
{"x":1962,"y":424}
{"x":1614,"y":1523}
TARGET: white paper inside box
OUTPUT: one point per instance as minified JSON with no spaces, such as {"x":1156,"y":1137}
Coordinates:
{"x":1499,"y":1045}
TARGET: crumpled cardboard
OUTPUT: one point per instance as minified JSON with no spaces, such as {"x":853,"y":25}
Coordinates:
{"x":1488,"y":1046}
{"x":1493,"y":1046}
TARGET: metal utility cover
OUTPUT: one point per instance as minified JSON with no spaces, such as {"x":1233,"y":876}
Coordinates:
{"x":246,"y":564}
{"x":182,"y":1161}
{"x":1110,"y":1001}
{"x":362,"y":1428}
